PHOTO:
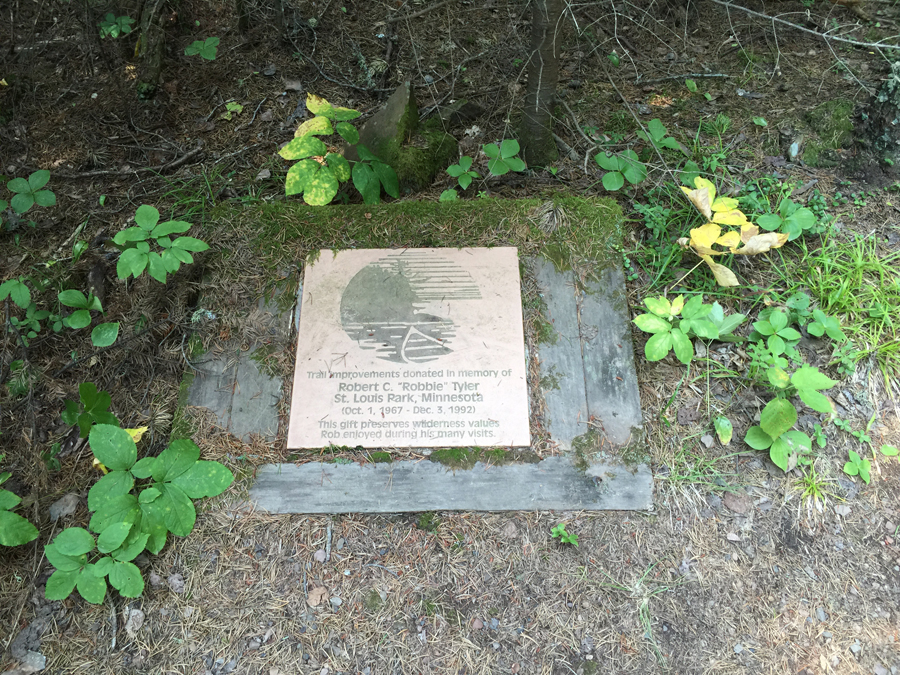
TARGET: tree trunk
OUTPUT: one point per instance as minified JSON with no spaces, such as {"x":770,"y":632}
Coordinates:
{"x":881,"y":130}
{"x":153,"y":42}
{"x":538,"y":146}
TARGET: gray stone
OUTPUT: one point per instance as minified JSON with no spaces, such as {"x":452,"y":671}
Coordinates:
{"x":32,"y":662}
{"x":821,"y":615}
{"x":553,"y":483}
{"x":65,"y":506}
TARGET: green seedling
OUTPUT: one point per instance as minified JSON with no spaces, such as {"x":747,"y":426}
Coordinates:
{"x":890,"y":450}
{"x":17,"y":291}
{"x":91,"y":408}
{"x":14,"y":529}
{"x":619,"y":168}
{"x":559,"y":532}
{"x":669,"y":335}
{"x":776,"y":331}
{"x":206,"y":49}
{"x":231,"y":108}
{"x":463,"y":172}
{"x":503,"y":158}
{"x":127,"y":524}
{"x":113,"y":26}
{"x":760,"y":122}
{"x":823,"y":324}
{"x":135,"y":244}
{"x":29,"y":192}
{"x":857,"y":466}
{"x":791,"y":219}
{"x":656,"y":136}
{"x":83,"y":306}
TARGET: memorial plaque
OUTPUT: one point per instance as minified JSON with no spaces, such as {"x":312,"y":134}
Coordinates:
{"x":410,"y":348}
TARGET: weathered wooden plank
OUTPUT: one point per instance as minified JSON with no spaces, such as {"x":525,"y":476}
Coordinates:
{"x":610,"y":377}
{"x":562,"y":370}
{"x":553,"y":483}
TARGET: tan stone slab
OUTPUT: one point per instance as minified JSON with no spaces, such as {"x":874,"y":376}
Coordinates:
{"x":411,"y":348}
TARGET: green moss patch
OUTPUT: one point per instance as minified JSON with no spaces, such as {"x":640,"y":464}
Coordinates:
{"x":831,"y":121}
{"x":466,"y":458}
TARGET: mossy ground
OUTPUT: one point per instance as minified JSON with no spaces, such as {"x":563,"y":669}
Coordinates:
{"x":832,"y":124}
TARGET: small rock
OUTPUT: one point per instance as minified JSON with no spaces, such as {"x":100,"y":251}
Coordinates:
{"x":340,"y":543}
{"x":856,"y":647}
{"x":254,"y":644}
{"x":700,"y":352}
{"x":713,"y":501}
{"x":293,"y":85}
{"x":477,"y":624}
{"x":495,"y":624}
{"x":880,"y":670}
{"x":176,"y":583}
{"x":510,"y":531}
{"x":495,"y":645}
{"x":842,"y":510}
{"x":187,"y":612}
{"x":821,"y":615}
{"x":269,"y":70}
{"x":134,"y":622}
{"x":64,"y":506}
{"x":827,"y":634}
{"x":320,"y":555}
{"x":738,"y":648}
{"x":429,"y":79}
{"x":738,"y":502}
{"x":707,"y":440}
{"x":32,"y":662}
{"x":731,"y":536}
{"x":336,"y":602}
{"x":155,"y":580}
{"x":263,"y":174}
{"x":267,"y":116}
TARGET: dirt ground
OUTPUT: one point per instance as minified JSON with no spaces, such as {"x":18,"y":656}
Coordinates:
{"x":733,"y":571}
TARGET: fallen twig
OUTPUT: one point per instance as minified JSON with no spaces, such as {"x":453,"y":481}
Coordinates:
{"x":437,"y":5}
{"x":123,"y":172}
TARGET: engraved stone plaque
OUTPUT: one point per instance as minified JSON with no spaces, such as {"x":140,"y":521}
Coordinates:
{"x":410,"y":348}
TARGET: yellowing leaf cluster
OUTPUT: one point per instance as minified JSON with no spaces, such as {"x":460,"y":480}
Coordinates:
{"x":723,"y":211}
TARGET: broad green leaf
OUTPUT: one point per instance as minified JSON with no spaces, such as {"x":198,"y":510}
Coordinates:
{"x":780,"y":454}
{"x":74,"y":541}
{"x":491,"y":150}
{"x":724,"y":429}
{"x":777,"y":417}
{"x":178,"y":509}
{"x":348,"y":132}
{"x":170,"y":227}
{"x":729,"y":323}
{"x":143,"y":468}
{"x":704,"y":329}
{"x":91,"y":586}
{"x":366,"y":155}
{"x":790,"y":334}
{"x":18,"y":185}
{"x":889,"y":450}
{"x":775,"y":344}
{"x":171,"y":261}
{"x":103,"y":566}
{"x":778,"y":378}
{"x":299,"y":175}
{"x":113,"y":446}
{"x":61,"y":584}
{"x":189,"y":244}
{"x":73,"y":298}
{"x":656,"y":129}
{"x":112,"y":537}
{"x":607,"y":162}
{"x":388,"y":178}
{"x":8,"y":500}
{"x":658,"y":346}
{"x":864,"y":468}
{"x":317,"y":126}
{"x":815,"y":400}
{"x":613,"y":180}
{"x":321,"y":187}
{"x":146,"y":217}
{"x":509,"y":148}
{"x":131,"y":549}
{"x":809,"y":377}
{"x":448,"y":195}
{"x":677,"y":305}
{"x":148,"y":495}
{"x":694,"y":308}
{"x":651,"y":323}
{"x":769,"y":222}
{"x":305,"y":146}
{"x":659,"y":306}
{"x":17,"y":292}
{"x":365,"y":180}
{"x":127,"y":579}
{"x":455,"y":170}
{"x":113,"y":484}
{"x":121,"y":509}
{"x":465,"y":162}
{"x":339,"y":165}
{"x":797,"y":441}
{"x":691,"y":86}
{"x":180,"y":254}
{"x":153,"y":524}
{"x":760,"y":122}
{"x":317,"y":105}
{"x":155,"y":267}
{"x":105,"y":334}
{"x":15,"y":530}
{"x":498,"y":167}
{"x":684,"y":348}
{"x":66,"y":563}
{"x":778,"y":320}
{"x":131,"y":263}
{"x":465,"y":180}
{"x":38,"y":179}
{"x":757,"y":439}
{"x":175,"y":460}
{"x":344,"y":114}
{"x":204,"y":479}
{"x":130,"y":234}
{"x":22,"y":202}
{"x":515,"y":164}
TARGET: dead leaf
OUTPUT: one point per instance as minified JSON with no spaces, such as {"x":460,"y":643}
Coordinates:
{"x":762,"y":243}
{"x":723,"y":275}
{"x":700,"y":199}
{"x":176,"y":583}
{"x":317,"y":595}
{"x":134,"y":622}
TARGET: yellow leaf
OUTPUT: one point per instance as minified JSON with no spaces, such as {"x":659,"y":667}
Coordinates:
{"x":748,"y":231}
{"x":734,"y":217}
{"x":725,"y":204}
{"x":703,"y":238}
{"x":316,"y":104}
{"x":315,"y":127}
{"x":677,"y":305}
{"x":136,"y":433}
{"x":762,"y":243}
{"x":723,"y":275}
{"x":700,"y":200}
{"x":99,"y":466}
{"x":729,"y":239}
{"x":701,"y":183}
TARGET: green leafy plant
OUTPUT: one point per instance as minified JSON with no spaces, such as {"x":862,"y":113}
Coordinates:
{"x":27,"y":193}
{"x":231,"y":108}
{"x":83,"y":306}
{"x":857,"y":466}
{"x":115,"y":26}
{"x":135,"y":244}
{"x":724,"y":429}
{"x":464,"y":175}
{"x":17,"y":291}
{"x":127,"y":523}
{"x":656,"y":136}
{"x":774,"y":327}
{"x":319,"y":173}
{"x":619,"y":168}
{"x":823,"y":324}
{"x":890,"y":450}
{"x":91,"y":408}
{"x":204,"y":48}
{"x":14,"y":529}
{"x":503,"y":158}
{"x":671,"y":335}
{"x":559,"y":532}
{"x":790,"y":219}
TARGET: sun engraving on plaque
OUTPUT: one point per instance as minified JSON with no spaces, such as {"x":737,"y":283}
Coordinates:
{"x":401,"y":305}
